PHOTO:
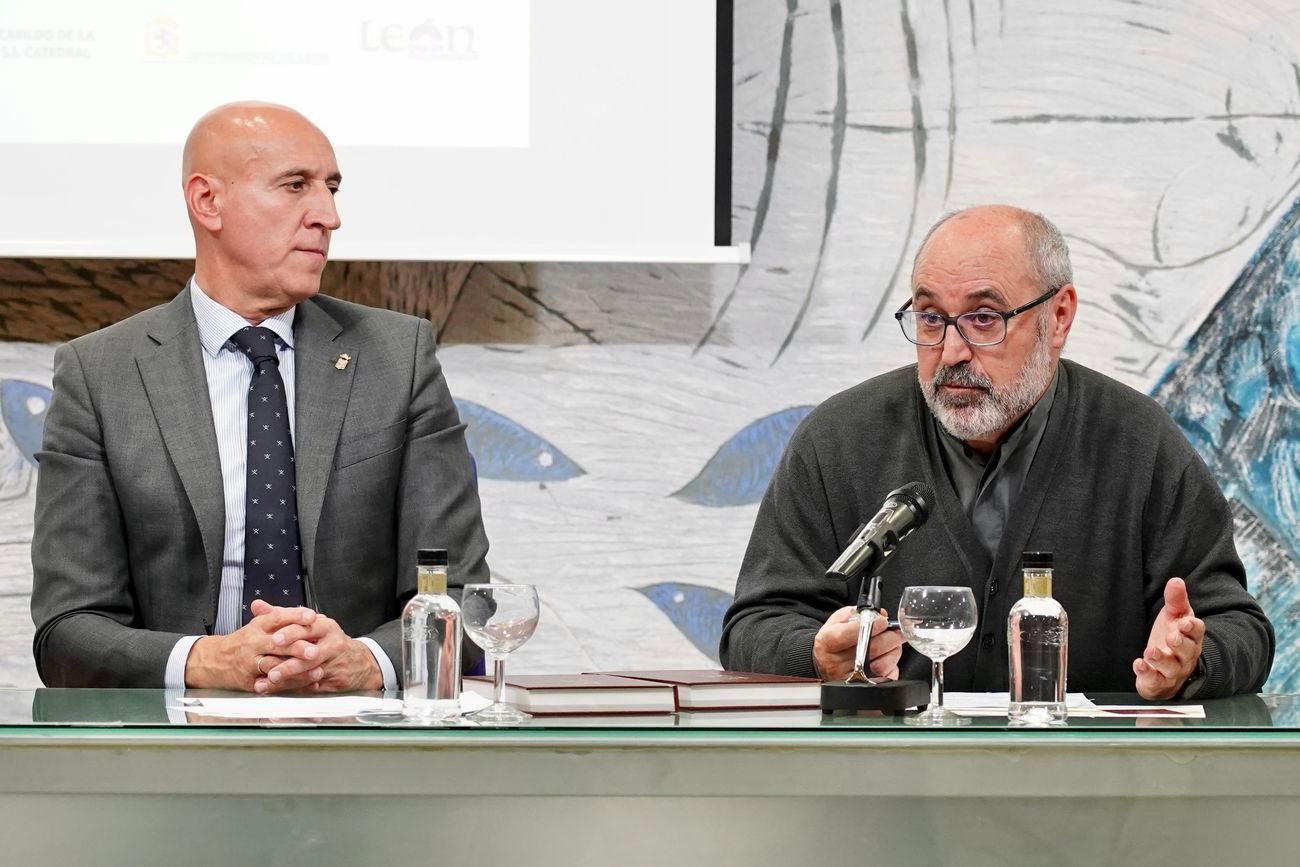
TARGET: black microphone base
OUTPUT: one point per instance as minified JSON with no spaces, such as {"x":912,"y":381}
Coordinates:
{"x":887,"y":696}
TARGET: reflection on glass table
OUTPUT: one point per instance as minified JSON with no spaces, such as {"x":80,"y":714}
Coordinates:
{"x":132,"y":708}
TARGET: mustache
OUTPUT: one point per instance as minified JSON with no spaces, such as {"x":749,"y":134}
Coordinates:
{"x":961,"y":375}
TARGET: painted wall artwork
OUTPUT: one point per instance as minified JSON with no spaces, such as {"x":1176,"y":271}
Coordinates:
{"x":624,"y":419}
{"x":1235,"y":390}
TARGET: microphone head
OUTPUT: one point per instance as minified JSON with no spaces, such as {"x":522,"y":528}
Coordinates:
{"x":874,"y":541}
{"x":919,"y":496}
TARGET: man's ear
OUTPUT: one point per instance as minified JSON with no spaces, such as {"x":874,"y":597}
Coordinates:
{"x":1064,"y":306}
{"x":203,"y":197}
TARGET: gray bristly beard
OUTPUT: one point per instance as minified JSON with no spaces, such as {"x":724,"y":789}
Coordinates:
{"x":982,"y":416}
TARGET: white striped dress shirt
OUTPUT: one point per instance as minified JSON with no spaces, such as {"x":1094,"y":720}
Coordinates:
{"x":228,"y":373}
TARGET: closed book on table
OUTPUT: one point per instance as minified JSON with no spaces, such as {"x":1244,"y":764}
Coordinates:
{"x":569,"y":694}
{"x":708,"y":689}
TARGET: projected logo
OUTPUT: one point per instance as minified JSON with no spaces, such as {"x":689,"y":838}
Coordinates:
{"x":426,"y":41}
{"x":162,"y":38}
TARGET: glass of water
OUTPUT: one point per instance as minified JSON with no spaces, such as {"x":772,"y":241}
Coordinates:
{"x":937,"y":622}
{"x":499,"y":618}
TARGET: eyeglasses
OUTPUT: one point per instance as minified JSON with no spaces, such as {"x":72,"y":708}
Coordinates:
{"x":978,"y":328}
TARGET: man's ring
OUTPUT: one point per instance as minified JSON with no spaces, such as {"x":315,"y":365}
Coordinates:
{"x":259,"y":666}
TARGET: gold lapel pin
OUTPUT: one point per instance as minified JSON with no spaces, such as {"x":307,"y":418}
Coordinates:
{"x":342,"y":362}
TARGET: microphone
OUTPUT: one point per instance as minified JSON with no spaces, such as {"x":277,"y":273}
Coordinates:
{"x":904,"y":510}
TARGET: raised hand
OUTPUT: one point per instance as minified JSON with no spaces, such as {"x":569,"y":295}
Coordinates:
{"x":1173,"y":647}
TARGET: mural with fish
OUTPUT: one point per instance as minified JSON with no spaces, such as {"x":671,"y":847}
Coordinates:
{"x":624,"y":419}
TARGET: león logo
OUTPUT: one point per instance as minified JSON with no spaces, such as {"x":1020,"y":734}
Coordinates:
{"x":426,"y":41}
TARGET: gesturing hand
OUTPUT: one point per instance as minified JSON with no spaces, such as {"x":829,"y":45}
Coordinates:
{"x":1173,"y":647}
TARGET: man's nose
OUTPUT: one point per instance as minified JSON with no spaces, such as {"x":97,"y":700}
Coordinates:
{"x":955,"y":348}
{"x":324,"y":211}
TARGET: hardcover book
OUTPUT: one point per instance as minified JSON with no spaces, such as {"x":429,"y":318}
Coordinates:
{"x":709,"y":689}
{"x":557,"y":694}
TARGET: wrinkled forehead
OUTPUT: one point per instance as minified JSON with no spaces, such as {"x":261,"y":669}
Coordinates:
{"x":300,"y":144}
{"x":970,"y":256}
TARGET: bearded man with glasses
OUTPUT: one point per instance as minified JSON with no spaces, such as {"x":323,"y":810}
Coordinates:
{"x":1024,"y":452}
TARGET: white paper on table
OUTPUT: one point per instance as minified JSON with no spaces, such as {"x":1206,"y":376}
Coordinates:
{"x":1144,"y":711}
{"x":307,"y":707}
{"x":1076,"y":705}
{"x":997,"y":703}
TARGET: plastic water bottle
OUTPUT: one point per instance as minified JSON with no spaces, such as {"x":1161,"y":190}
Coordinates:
{"x":1038,"y":634}
{"x":431,"y":639}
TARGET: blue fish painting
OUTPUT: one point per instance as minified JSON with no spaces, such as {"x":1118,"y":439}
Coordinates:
{"x":695,"y":610}
{"x":739,"y":471}
{"x":506,"y":450}
{"x":1235,"y":391}
{"x":24,"y":405}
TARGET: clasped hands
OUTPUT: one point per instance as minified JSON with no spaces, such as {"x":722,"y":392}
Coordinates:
{"x":283,"y":650}
{"x":1171,"y":654}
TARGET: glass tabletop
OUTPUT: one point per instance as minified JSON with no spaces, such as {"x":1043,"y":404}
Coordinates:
{"x":145,"y":708}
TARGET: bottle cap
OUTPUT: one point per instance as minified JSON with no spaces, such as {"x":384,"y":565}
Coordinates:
{"x":431,"y":557}
{"x":1036,"y":560}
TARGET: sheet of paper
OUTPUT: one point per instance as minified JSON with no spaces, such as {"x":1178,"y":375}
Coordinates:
{"x":306,"y":707}
{"x":996,"y":703}
{"x":1076,"y":704}
{"x":1144,"y":711}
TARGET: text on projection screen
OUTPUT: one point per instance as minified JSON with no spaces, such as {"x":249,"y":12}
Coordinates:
{"x":436,"y":110}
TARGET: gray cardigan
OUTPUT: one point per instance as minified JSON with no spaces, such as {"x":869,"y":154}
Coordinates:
{"x":1115,"y":492}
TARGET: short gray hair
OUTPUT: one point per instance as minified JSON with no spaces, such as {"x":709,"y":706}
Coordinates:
{"x":1047,"y":253}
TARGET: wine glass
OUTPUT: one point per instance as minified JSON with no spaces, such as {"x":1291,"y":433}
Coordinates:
{"x":937,"y":622}
{"x":499,"y":618}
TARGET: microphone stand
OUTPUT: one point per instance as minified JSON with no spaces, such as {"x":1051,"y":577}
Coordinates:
{"x":860,"y":692}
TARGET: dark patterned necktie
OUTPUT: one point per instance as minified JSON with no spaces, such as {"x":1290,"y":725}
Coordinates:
{"x":272,"y":560}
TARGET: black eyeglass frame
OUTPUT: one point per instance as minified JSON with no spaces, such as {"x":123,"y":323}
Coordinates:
{"x":952,"y":320}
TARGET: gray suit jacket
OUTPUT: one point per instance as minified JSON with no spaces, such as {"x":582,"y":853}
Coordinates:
{"x":130,"y":512}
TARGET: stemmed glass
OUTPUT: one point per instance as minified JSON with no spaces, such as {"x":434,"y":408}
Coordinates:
{"x":937,"y":622}
{"x":499,"y":618}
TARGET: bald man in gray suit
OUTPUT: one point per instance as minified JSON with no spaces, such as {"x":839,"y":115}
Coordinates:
{"x":147,"y":498}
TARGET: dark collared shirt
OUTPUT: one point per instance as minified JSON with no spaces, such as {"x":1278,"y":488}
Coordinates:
{"x":988,"y":485}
